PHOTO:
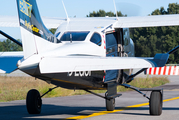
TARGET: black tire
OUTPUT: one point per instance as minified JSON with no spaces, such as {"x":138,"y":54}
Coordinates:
{"x":120,"y":78}
{"x":33,"y":102}
{"x":156,"y":103}
{"x":110,"y":105}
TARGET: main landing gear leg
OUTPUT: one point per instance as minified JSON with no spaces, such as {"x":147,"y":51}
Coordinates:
{"x":155,"y":100}
{"x":34,"y":101}
{"x":156,"y":96}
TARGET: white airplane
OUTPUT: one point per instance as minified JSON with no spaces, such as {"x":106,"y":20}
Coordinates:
{"x":86,"y":54}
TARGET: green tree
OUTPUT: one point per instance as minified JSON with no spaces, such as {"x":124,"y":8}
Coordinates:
{"x":53,"y":30}
{"x":157,"y":39}
{"x":102,"y":13}
{"x":8,"y":45}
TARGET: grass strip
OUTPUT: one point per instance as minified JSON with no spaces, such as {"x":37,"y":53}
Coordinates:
{"x":16,"y":88}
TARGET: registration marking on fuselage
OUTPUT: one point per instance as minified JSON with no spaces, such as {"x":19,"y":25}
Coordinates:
{"x":117,"y":110}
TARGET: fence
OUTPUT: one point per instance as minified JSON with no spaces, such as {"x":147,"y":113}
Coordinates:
{"x":166,"y":70}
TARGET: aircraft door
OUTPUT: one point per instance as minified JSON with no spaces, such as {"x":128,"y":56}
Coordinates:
{"x":128,"y":44}
{"x":111,"y":44}
{"x":113,"y":48}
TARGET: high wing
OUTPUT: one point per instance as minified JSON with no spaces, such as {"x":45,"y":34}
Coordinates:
{"x":147,"y":21}
{"x":103,"y":62}
{"x":122,"y":22}
{"x":13,"y":21}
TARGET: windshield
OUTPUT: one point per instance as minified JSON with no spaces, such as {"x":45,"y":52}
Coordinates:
{"x":74,"y":36}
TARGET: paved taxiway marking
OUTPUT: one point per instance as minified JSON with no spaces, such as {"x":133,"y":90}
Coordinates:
{"x":118,"y":110}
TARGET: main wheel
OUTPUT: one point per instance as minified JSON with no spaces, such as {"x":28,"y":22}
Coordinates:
{"x":155,"y":104}
{"x":110,"y":104}
{"x":33,"y":102}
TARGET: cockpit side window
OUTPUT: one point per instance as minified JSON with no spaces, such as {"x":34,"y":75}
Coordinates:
{"x":96,"y":38}
{"x":74,"y":36}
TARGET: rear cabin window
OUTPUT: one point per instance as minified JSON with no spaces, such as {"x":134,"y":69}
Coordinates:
{"x":74,"y":36}
{"x":96,"y":38}
{"x":126,"y":36}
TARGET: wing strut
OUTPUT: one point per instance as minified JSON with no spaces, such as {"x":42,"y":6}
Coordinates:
{"x":173,"y":50}
{"x":11,"y":38}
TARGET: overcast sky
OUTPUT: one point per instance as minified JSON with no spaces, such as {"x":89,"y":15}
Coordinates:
{"x":81,"y":8}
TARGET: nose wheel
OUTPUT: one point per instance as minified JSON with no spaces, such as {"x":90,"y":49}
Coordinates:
{"x":110,"y":104}
{"x":110,"y":96}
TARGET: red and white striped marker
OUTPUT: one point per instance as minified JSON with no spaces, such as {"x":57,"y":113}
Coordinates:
{"x":166,"y":70}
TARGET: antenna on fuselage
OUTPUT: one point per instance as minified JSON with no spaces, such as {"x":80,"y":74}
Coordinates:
{"x":115,"y":9}
{"x":68,"y":19}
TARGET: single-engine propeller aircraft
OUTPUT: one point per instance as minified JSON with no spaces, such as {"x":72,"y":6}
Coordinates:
{"x":86,"y":54}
